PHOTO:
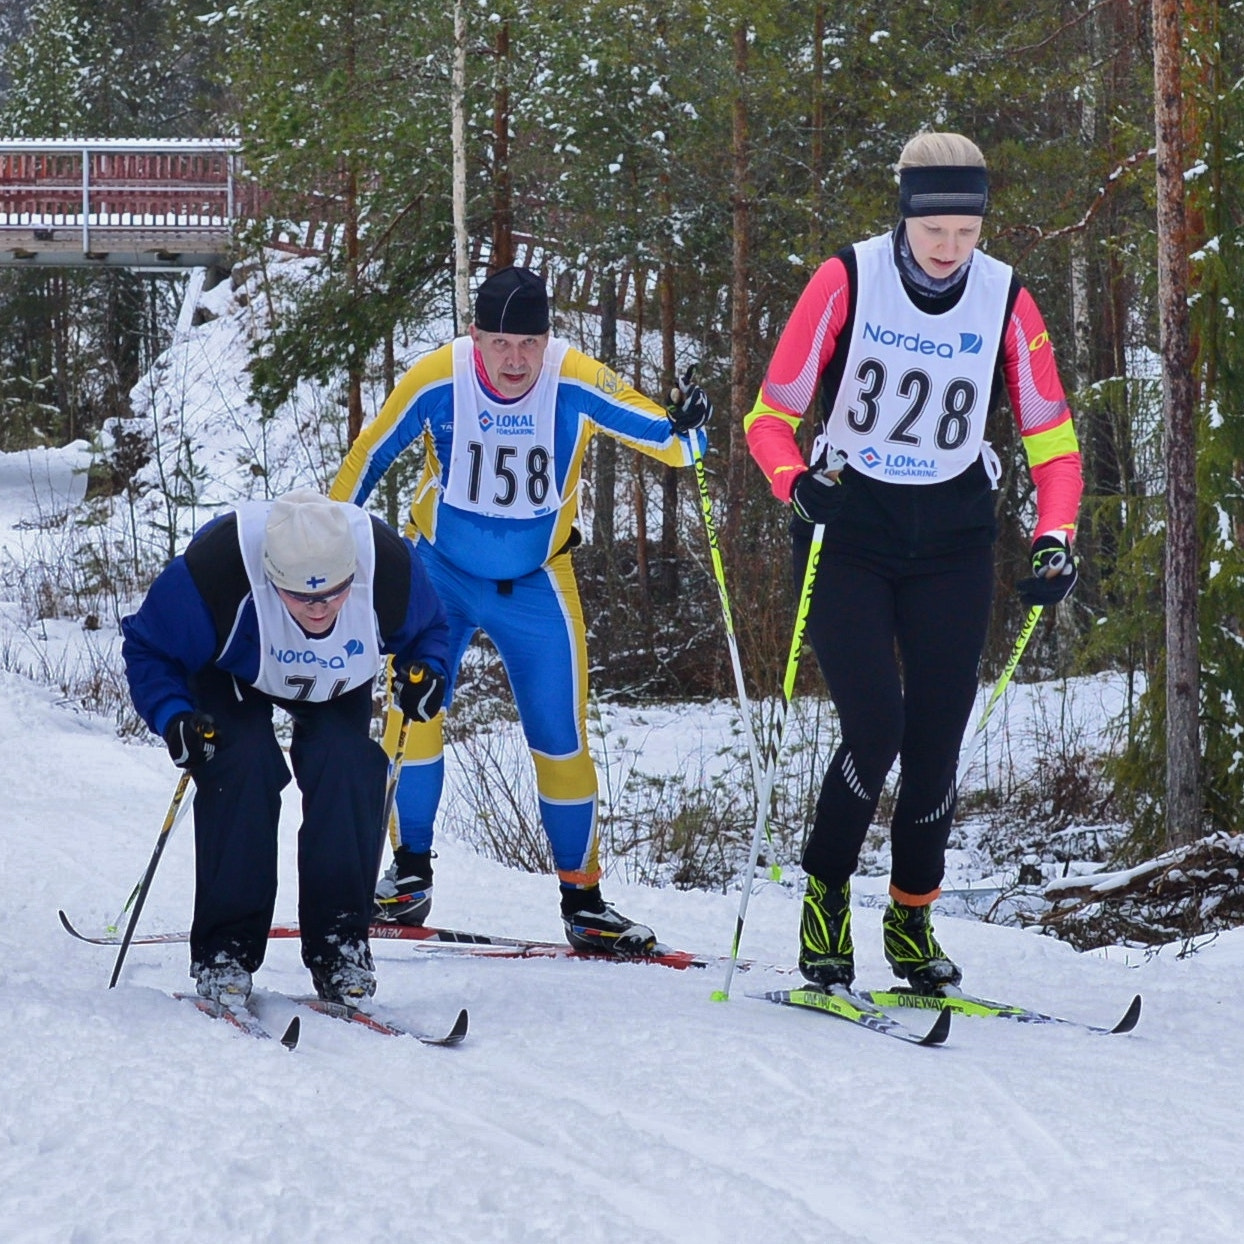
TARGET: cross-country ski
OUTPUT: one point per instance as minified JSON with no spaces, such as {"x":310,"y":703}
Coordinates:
{"x":966,"y":1004}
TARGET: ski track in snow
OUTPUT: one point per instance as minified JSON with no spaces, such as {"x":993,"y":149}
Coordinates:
{"x":590,"y":1101}
{"x":614,"y":1100}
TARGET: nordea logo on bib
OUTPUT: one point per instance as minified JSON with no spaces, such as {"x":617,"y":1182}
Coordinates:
{"x":306,"y":656}
{"x":917,"y":343}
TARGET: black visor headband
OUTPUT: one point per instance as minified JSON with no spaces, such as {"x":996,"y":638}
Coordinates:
{"x":943,"y":190}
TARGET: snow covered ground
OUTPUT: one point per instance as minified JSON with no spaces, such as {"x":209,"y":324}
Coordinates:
{"x":591,"y":1101}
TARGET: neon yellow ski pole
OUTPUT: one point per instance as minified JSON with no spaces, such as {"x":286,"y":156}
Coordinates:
{"x":719,"y":573}
{"x":1053,"y":568}
{"x":978,"y":736}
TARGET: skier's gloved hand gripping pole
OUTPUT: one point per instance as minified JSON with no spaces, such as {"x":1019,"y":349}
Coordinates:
{"x":765,"y":794}
{"x":206,"y":730}
{"x":1049,"y":563}
{"x":690,"y":407}
{"x":420,"y":692}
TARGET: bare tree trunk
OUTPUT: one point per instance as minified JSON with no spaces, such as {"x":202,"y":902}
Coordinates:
{"x":354,"y":371}
{"x":642,"y":576}
{"x":669,"y":475}
{"x":1081,"y":316}
{"x":354,"y":374}
{"x":739,"y":302}
{"x":1183,"y":784}
{"x":457,"y":104}
{"x":1082,"y":333}
{"x":641,"y":509}
{"x":502,"y":180}
{"x":55,"y":300}
{"x":605,"y":448}
{"x":604,"y":483}
{"x":818,"y":127}
{"x":392,"y":497}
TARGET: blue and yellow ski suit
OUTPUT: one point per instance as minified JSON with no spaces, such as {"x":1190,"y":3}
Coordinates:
{"x":510,"y":577}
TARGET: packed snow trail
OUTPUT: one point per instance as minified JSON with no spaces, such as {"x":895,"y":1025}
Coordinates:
{"x":590,"y":1099}
{"x":614,"y":1096}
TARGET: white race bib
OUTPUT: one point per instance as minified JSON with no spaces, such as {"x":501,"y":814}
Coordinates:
{"x":292,"y":664}
{"x":501,"y":465}
{"x":914,"y":396}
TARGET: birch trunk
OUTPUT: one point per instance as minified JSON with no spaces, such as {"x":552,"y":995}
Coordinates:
{"x":457,"y":104}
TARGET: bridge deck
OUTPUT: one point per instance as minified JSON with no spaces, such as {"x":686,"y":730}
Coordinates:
{"x":115,"y":246}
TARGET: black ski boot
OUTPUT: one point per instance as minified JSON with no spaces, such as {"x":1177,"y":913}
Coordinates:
{"x":826,"y":952}
{"x":404,"y":891}
{"x":912,"y":950}
{"x":595,"y":926}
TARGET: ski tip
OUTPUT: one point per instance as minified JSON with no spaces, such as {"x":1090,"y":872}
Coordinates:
{"x":66,"y":924}
{"x":455,"y":1036}
{"x":289,"y":1039}
{"x":459,"y":1031}
{"x":1130,"y":1018}
{"x":940,"y":1030}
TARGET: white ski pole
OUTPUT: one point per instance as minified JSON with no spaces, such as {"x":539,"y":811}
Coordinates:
{"x":765,"y":794}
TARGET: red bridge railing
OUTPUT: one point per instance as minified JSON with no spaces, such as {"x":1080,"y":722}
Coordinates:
{"x":141,"y":202}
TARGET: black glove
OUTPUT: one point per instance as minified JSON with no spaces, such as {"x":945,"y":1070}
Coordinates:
{"x":689,"y":406}
{"x":815,"y":497}
{"x":1053,"y":570}
{"x":190,"y":739}
{"x":420,"y":691}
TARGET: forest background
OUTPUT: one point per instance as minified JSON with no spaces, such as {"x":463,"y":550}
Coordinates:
{"x":680,"y":169}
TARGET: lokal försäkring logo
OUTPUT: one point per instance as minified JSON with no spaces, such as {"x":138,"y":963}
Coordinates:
{"x":898,"y":465}
{"x":508,"y":423}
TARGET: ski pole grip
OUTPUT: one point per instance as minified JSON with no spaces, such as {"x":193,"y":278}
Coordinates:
{"x":678,"y":392}
{"x":1054,"y":566}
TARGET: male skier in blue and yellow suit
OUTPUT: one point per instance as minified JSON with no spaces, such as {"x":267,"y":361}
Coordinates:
{"x":505,"y":415}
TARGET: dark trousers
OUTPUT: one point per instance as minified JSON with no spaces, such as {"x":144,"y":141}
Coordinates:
{"x":340,"y":771}
{"x":899,"y":642}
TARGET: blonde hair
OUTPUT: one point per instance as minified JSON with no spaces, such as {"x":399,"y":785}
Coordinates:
{"x":933,"y":149}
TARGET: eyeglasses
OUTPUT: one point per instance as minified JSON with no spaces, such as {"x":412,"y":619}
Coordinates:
{"x":318,"y":598}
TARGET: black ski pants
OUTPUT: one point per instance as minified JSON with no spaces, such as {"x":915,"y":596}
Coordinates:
{"x":899,"y":642}
{"x":340,"y":771}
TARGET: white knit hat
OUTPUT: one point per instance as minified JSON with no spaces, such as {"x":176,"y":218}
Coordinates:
{"x":308,"y":544}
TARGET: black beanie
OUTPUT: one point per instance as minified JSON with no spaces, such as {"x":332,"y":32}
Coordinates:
{"x":515,"y":301}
